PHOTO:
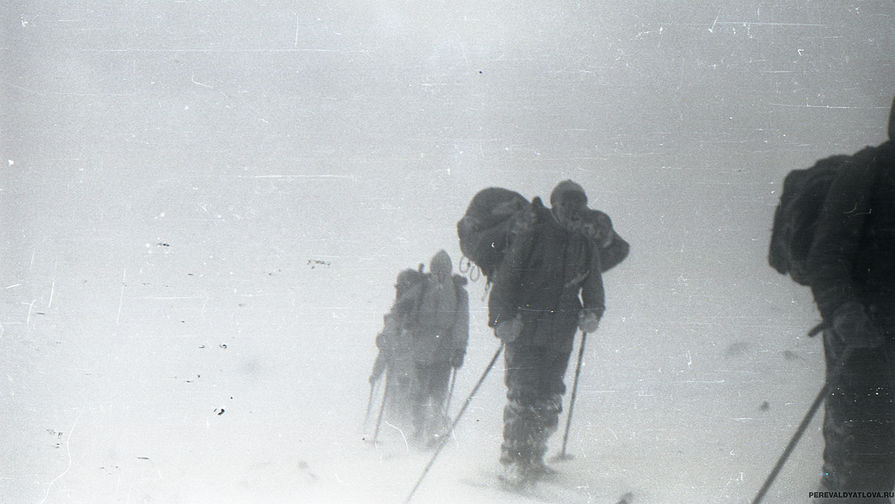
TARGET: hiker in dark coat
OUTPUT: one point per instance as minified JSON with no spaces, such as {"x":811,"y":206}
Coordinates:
{"x":440,"y":328}
{"x":535,"y":309}
{"x":395,"y":346}
{"x":852,"y":276}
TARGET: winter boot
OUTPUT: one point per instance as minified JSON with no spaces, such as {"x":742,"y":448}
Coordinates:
{"x":515,"y":475}
{"x":420,"y":438}
{"x":539,"y":469}
{"x":440,"y":429}
{"x":436,"y":439}
{"x":546,"y":415}
{"x":514,"y":458}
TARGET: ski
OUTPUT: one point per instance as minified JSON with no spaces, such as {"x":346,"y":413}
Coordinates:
{"x":526,"y":491}
{"x":547,"y":489}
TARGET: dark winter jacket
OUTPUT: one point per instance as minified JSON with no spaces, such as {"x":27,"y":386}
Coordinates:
{"x":543,"y":272}
{"x":852,"y":257}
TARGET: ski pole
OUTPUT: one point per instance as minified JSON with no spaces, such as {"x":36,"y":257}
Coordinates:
{"x":369,"y":403}
{"x":565,"y":437}
{"x":379,"y":365}
{"x":802,"y":426}
{"x":443,"y":441}
{"x":382,"y":408}
{"x":447,"y":405}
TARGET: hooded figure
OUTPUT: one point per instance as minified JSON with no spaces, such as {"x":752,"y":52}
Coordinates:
{"x":440,"y":327}
{"x":548,"y":285}
{"x":851,"y":271}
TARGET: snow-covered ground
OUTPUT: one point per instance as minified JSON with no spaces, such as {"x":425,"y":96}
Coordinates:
{"x":204,"y":205}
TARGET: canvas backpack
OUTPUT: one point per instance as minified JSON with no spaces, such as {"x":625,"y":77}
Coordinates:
{"x":796,"y":215}
{"x":485,"y":227}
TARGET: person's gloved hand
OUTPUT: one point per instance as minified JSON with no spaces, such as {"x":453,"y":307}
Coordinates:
{"x":509,"y":330}
{"x":457,"y":358}
{"x":588,"y":320}
{"x":855,"y":328}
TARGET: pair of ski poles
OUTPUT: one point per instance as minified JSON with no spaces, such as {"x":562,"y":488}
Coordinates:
{"x":806,"y":420}
{"x":381,"y":408}
{"x":385,"y":400}
{"x":443,"y":441}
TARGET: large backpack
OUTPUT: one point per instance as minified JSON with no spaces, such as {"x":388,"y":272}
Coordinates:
{"x":485,"y":227}
{"x":612,"y":248}
{"x":795,"y":219}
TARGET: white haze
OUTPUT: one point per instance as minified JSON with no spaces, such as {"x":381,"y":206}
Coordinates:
{"x":204,"y":206}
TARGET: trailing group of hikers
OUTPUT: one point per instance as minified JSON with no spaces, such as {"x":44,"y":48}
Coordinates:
{"x":423,"y":340}
{"x":833,"y":230}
